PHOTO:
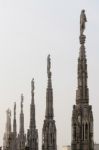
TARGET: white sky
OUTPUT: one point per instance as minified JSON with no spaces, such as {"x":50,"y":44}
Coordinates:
{"x":29,"y":31}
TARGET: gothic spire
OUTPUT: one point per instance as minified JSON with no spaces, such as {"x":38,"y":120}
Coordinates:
{"x":32,"y":107}
{"x":82,"y":91}
{"x":8,"y":123}
{"x":49,"y":130}
{"x":7,"y":139}
{"x":22,"y":116}
{"x":49,"y":91}
{"x":32,"y":134}
{"x":82,"y":116}
{"x":14,"y":120}
{"x":14,"y":145}
{"x":21,"y":136}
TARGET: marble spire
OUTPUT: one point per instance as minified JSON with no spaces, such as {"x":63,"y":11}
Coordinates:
{"x":49,"y":91}
{"x":32,"y":107}
{"x":32,"y":134}
{"x":82,"y":94}
{"x":49,"y":139}
{"x":82,"y":116}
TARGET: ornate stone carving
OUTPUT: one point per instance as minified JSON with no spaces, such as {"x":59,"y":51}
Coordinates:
{"x":83,"y":20}
{"x":82,"y":117}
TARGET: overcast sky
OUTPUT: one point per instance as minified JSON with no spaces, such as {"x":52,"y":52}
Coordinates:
{"x":29,"y":31}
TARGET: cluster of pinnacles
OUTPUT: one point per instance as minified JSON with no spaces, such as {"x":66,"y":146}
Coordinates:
{"x":82,"y":116}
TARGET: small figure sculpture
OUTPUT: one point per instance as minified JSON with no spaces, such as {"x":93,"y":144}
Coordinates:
{"x":15,"y":109}
{"x":48,"y":65}
{"x":83,"y":19}
{"x":8,"y":125}
{"x":21,"y":102}
{"x":8,"y":113}
{"x":79,"y":119}
{"x":32,"y":84}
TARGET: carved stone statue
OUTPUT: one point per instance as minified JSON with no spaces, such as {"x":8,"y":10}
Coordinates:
{"x":48,"y":65}
{"x":22,"y":102}
{"x":32,"y":84}
{"x":83,"y":19}
{"x":8,"y":126}
{"x":8,"y":113}
{"x":15,"y":109}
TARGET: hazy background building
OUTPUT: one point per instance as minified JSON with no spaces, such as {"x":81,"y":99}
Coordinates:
{"x":68,"y":147}
{"x":96,"y":146}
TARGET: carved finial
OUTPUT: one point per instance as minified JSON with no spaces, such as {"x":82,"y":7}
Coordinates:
{"x":8,"y":125}
{"x":15,"y":109}
{"x":48,"y":65}
{"x":22,"y":98}
{"x":83,"y":20}
{"x":32,"y":85}
{"x":8,"y":113}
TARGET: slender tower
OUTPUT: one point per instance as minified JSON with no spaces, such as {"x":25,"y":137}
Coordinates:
{"x":8,"y":137}
{"x":14,"y":129}
{"x":32,"y":135}
{"x":14,"y":121}
{"x":49,"y":127}
{"x":82,"y":116}
{"x":21,"y":135}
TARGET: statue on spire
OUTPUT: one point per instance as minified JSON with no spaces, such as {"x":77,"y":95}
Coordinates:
{"x":48,"y":65}
{"x":32,"y":84}
{"x":8,"y":127}
{"x":83,"y":20}
{"x":21,"y":102}
{"x":8,"y":114}
{"x":14,"y":109}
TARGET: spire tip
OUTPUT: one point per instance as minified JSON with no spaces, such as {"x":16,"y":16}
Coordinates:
{"x":14,"y":109}
{"x":48,"y":65}
{"x":22,"y":98}
{"x":32,"y":84}
{"x":83,"y":20}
